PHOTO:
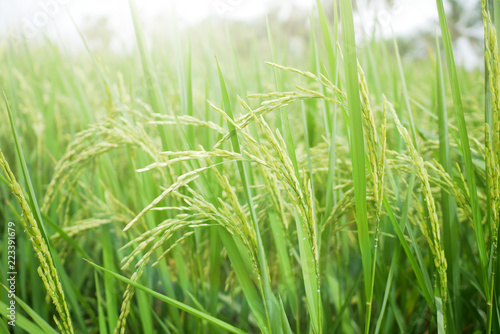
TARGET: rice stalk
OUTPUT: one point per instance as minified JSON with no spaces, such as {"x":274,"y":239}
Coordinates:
{"x":492,"y":145}
{"x":434,"y":237}
{"x":90,"y":143}
{"x":47,"y":270}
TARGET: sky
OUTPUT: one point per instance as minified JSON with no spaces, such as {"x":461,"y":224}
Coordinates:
{"x":35,"y":16}
{"x":33,"y":19}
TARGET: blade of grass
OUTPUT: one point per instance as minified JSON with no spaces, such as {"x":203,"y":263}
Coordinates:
{"x":308,"y":260}
{"x":23,"y":322}
{"x":39,"y":322}
{"x":244,"y":278}
{"x":465,"y":148}
{"x":330,"y":200}
{"x":144,"y":302}
{"x":285,"y":265}
{"x":243,"y":172}
{"x":31,"y":192}
{"x":102,"y":317}
{"x":357,"y":150}
{"x":328,"y":41}
{"x":396,"y":256}
{"x":156,"y":97}
{"x":171,"y":301}
{"x":35,"y":211}
{"x":347,"y":301}
{"x":448,"y":205}
{"x":110,"y":292}
{"x":423,"y":282}
{"x":406,"y":96}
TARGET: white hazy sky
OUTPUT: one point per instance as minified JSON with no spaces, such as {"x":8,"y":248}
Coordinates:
{"x":404,"y":15}
{"x":37,"y":18}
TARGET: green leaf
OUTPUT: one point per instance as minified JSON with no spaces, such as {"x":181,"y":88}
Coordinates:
{"x":173,"y":302}
{"x":465,"y":147}
{"x":357,"y":148}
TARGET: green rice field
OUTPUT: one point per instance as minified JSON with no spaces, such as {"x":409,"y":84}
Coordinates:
{"x":221,"y":181}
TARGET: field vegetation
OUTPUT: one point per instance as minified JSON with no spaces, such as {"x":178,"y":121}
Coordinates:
{"x":339,"y":188}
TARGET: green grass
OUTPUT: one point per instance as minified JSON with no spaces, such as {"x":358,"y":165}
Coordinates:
{"x":345,"y":188}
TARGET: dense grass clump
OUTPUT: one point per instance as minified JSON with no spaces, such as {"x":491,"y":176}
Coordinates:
{"x":346,"y":190}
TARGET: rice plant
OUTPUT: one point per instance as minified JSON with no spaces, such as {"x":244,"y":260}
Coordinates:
{"x":347,"y":189}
